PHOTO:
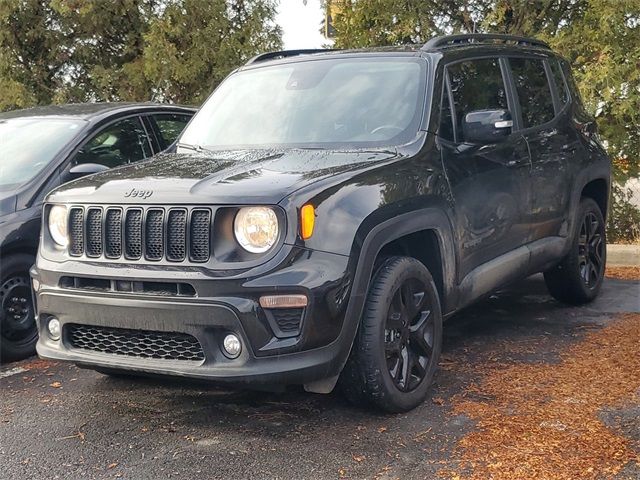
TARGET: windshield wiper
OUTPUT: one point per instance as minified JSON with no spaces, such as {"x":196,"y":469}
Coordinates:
{"x":195,"y":148}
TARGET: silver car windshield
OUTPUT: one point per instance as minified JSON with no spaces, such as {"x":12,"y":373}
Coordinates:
{"x":28,"y":144}
{"x":357,"y":102}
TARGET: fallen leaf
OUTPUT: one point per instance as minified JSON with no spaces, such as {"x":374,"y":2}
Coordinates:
{"x":112,"y":465}
{"x":56,"y":385}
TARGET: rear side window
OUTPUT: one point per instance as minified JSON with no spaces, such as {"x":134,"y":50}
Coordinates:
{"x":476,"y":85}
{"x":170,"y":126}
{"x":534,"y":94}
{"x":561,"y":86}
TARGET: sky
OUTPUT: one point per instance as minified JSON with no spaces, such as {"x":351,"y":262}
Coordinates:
{"x":301,"y":24}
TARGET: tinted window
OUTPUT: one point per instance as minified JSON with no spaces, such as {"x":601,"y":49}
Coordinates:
{"x":324,"y":102}
{"x":117,"y":144}
{"x":533,"y":90}
{"x":170,"y":126}
{"x":29,"y":144}
{"x":476,"y":85}
{"x":561,"y":86}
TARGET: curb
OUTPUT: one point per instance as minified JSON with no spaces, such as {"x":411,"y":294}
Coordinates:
{"x":627,"y":255}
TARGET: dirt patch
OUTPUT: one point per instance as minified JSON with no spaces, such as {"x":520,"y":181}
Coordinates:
{"x":623,"y":272}
{"x":544,"y":420}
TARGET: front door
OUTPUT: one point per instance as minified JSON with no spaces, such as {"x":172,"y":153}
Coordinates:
{"x":489,"y":182}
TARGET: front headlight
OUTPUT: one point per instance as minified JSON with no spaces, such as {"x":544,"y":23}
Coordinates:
{"x":58,"y":224}
{"x":256,"y":228}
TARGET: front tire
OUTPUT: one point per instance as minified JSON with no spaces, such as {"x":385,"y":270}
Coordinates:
{"x":577,"y":279}
{"x":397,"y":347}
{"x":18,"y":330}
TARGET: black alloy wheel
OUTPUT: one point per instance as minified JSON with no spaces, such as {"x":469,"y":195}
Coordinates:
{"x":591,"y":250}
{"x":409,"y":335}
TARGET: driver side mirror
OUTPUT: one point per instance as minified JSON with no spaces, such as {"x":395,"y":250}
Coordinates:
{"x":486,"y":126}
{"x":85,"y":169}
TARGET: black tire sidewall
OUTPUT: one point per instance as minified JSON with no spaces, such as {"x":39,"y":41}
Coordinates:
{"x":12,"y":265}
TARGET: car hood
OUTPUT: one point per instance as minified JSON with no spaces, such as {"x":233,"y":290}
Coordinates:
{"x":238,"y":177}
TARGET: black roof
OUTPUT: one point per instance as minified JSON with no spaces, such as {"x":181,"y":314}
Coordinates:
{"x":437,"y":44}
{"x":88,"y":111}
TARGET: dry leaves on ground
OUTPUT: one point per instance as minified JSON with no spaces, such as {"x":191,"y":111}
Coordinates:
{"x":542,"y":420}
{"x":623,"y":272}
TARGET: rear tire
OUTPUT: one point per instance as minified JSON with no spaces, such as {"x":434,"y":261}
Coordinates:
{"x":18,"y":330}
{"x":396,"y":350}
{"x":577,"y":279}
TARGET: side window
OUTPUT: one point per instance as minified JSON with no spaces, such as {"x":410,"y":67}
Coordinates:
{"x":117,"y":144}
{"x":561,"y":86}
{"x":170,"y":126}
{"x":476,"y":85}
{"x":533,"y":91}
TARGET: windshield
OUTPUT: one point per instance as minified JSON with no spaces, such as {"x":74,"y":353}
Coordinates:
{"x":28,"y":144}
{"x":349,"y":102}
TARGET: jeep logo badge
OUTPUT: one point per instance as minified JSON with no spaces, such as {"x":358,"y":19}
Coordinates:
{"x":133,"y":193}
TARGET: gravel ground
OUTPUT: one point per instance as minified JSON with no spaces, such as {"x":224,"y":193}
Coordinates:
{"x":58,"y":421}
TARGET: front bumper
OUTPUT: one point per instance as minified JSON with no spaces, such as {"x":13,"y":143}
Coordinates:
{"x":218,"y":307}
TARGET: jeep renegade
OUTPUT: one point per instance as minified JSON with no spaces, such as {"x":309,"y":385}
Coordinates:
{"x":323,"y":213}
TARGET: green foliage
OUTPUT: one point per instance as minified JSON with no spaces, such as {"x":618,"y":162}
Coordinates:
{"x":94,"y":50}
{"x":623,"y":224}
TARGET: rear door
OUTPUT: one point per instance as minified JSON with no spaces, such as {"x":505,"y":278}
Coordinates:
{"x":543,"y":120}
{"x":490,"y":181}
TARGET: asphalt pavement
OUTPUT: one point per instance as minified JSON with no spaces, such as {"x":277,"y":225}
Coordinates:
{"x":59,"y":421}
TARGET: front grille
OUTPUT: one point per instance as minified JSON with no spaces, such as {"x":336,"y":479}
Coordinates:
{"x":154,"y":233}
{"x":135,"y":343}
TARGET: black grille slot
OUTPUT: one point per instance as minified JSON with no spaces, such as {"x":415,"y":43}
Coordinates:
{"x":76,"y":232}
{"x":135,"y":343}
{"x":133,"y":234}
{"x":94,"y":232}
{"x":154,"y":235}
{"x":200,"y":235}
{"x":176,"y":235}
{"x":113,"y":234}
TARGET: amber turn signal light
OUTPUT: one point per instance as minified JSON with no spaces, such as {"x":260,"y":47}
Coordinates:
{"x":307,"y":220}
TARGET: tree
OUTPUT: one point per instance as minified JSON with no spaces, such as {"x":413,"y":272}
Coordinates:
{"x":168,"y":50}
{"x":32,"y":55}
{"x":193,"y":44}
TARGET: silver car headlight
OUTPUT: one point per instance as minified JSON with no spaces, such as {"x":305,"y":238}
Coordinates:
{"x":58,"y":225}
{"x":256,"y":228}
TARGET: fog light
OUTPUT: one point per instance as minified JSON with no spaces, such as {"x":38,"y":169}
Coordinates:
{"x":232,"y":346}
{"x":54,"y":329}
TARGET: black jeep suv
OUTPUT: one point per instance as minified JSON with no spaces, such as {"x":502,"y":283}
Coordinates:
{"x":323,"y":213}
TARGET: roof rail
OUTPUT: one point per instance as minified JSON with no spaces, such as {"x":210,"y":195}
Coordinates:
{"x":471,"y":38}
{"x":286,"y":53}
